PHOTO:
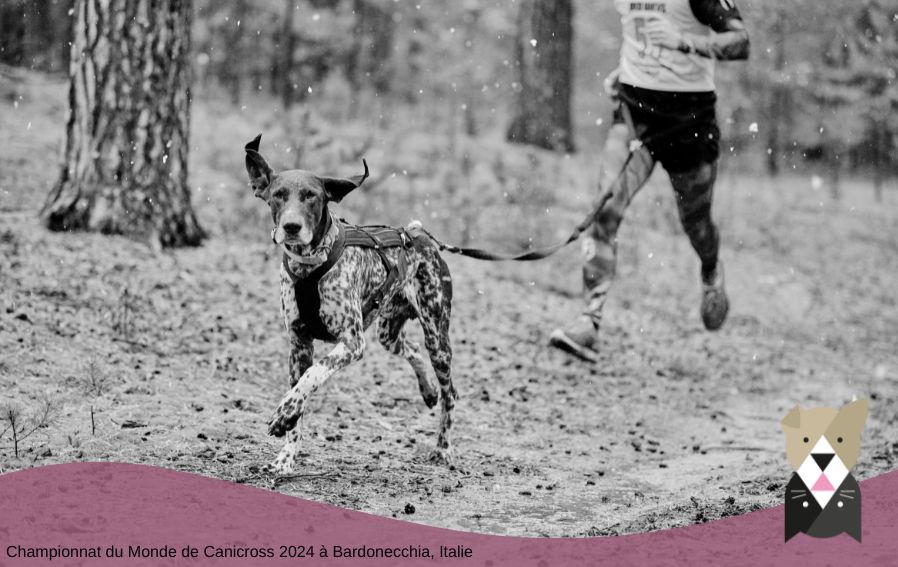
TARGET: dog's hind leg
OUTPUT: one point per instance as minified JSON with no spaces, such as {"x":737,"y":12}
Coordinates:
{"x":435,"y":306}
{"x":392,"y":336}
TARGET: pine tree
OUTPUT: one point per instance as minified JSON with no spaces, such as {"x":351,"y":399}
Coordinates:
{"x":859,"y":89}
{"x":125,"y":162}
{"x":543,"y":55}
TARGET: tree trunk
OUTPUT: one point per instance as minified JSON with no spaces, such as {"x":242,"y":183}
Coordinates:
{"x":880,"y":158}
{"x":835,"y":173}
{"x":32,"y":31}
{"x":369,"y":61}
{"x":13,"y":32}
{"x":543,"y":54}
{"x":778,"y":94}
{"x":288,"y":47}
{"x":125,"y":168}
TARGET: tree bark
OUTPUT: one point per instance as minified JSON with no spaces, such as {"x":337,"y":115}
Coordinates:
{"x":544,"y":54}
{"x":125,"y":162}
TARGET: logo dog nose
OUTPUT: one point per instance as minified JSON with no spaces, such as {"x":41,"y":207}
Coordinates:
{"x":823,"y":459}
{"x":292,"y":228}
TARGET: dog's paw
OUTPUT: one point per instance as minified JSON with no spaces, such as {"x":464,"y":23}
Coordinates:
{"x":430,"y":396}
{"x":286,"y":462}
{"x":444,"y":457}
{"x":279,"y":425}
{"x":285,"y":416}
{"x":281,"y":467}
{"x":431,"y":400}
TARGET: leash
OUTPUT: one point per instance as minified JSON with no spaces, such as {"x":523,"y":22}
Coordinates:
{"x":539,"y":254}
{"x":636,"y":143}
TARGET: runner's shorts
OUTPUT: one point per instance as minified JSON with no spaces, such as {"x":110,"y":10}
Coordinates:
{"x":696,"y":139}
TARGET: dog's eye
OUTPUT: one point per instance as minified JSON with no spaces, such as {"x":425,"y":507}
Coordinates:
{"x":806,"y":440}
{"x":280,"y":194}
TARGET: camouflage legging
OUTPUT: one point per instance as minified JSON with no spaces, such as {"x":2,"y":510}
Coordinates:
{"x":694,"y":191}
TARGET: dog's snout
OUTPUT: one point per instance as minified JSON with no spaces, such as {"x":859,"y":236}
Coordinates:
{"x":292,"y":228}
{"x":822,"y":459}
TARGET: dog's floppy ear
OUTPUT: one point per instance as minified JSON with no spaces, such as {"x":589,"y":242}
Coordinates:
{"x":260,"y":173}
{"x":854,"y":415}
{"x":793,"y":419}
{"x":337,"y":188}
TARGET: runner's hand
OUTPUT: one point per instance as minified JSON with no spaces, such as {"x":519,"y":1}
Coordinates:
{"x":612,"y":85}
{"x":662,"y":33}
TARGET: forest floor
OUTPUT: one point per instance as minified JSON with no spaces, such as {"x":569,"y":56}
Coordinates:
{"x":176,"y":358}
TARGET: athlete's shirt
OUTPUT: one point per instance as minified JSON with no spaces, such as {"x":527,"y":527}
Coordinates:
{"x":652,"y":67}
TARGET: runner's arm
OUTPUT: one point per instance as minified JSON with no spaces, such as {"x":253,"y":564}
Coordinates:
{"x":730,"y":42}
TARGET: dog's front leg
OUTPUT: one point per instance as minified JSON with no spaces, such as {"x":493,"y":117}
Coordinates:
{"x":349,"y":348}
{"x":301,"y":355}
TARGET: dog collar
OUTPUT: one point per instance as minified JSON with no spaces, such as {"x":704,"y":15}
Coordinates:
{"x":309,"y":260}
{"x":300,"y":266}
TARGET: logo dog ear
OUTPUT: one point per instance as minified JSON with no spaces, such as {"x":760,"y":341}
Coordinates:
{"x":854,"y":414}
{"x":260,"y":173}
{"x":792,"y":419}
{"x":336,"y":189}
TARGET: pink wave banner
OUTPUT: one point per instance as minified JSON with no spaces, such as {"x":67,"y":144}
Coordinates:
{"x":100,"y":514}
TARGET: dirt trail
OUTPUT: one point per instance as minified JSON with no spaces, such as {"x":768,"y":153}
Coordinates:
{"x":673,"y":426}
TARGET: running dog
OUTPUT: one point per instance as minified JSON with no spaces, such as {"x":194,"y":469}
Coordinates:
{"x":337,"y":279}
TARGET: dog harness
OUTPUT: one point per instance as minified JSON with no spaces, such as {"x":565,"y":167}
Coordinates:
{"x":375,"y":237}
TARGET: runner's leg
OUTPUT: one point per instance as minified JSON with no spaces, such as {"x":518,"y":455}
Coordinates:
{"x":623,"y":175}
{"x":695,"y":191}
{"x":600,"y":242}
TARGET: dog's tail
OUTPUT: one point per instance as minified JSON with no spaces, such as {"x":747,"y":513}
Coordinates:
{"x":416,"y":229}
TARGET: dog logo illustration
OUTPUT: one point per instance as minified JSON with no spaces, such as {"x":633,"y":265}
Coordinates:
{"x":822,"y":444}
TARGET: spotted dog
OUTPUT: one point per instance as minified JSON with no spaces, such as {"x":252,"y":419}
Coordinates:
{"x":336,"y":280}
